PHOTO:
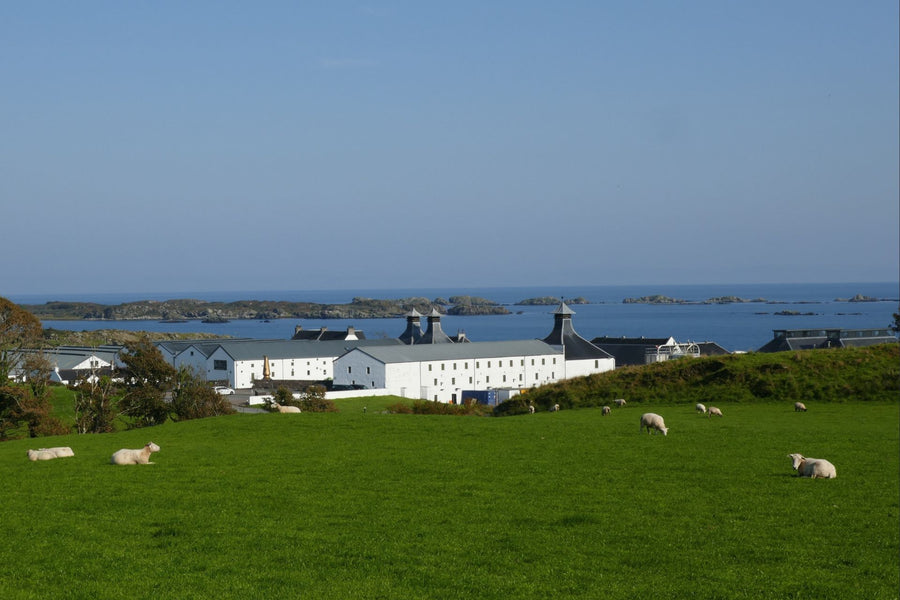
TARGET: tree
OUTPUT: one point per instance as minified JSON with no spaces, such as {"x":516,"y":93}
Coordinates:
{"x":36,"y":369}
{"x":313,"y":400}
{"x":895,"y":326}
{"x":148,"y":377}
{"x":192,"y":398}
{"x":19,"y":407}
{"x":19,"y":329}
{"x":95,"y":410}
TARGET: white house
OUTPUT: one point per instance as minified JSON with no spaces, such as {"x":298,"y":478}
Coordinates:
{"x":70,"y":363}
{"x":442,"y":372}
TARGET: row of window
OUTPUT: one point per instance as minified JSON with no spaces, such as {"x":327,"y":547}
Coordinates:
{"x":489,"y":364}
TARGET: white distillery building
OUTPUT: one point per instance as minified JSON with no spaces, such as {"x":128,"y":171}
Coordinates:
{"x":241,"y":363}
{"x":441,"y":372}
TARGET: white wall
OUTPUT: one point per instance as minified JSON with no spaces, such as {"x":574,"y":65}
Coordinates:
{"x":580,"y":368}
{"x":445,"y":380}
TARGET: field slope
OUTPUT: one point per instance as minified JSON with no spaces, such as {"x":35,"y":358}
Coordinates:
{"x":364,"y":504}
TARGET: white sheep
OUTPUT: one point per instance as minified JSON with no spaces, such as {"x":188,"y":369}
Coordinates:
{"x":285,"y":409}
{"x":700,"y":408}
{"x":620,"y":402}
{"x":531,"y":408}
{"x":126,"y":456}
{"x":606,"y":410}
{"x":653,"y":421}
{"x":799,"y":407}
{"x":41,"y":454}
{"x":555,"y":408}
{"x":60,"y":451}
{"x":812,"y":467}
{"x":713,"y":411}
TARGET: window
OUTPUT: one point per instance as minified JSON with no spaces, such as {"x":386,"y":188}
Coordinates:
{"x":554,"y":361}
{"x":454,"y":366}
{"x":192,"y":352}
{"x":477,"y":364}
{"x":442,"y":366}
{"x":504,"y":379}
{"x":368,"y":370}
{"x":221,"y":365}
{"x":470,"y":381}
{"x":510,"y":363}
{"x":543,"y":361}
{"x":532,"y":362}
{"x":435,"y":382}
{"x":466,"y":365}
{"x":522,"y":364}
{"x":487,"y":379}
{"x":453,"y":381}
{"x":489,"y":364}
{"x":349,"y":369}
{"x":429,"y":367}
{"x":596,"y":364}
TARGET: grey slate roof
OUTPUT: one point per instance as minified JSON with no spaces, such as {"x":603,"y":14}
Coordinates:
{"x":470,"y":351}
{"x":563,"y":334}
{"x":808,"y":339}
{"x":434,"y":334}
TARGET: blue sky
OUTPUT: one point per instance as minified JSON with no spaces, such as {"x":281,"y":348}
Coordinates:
{"x":168,"y":146}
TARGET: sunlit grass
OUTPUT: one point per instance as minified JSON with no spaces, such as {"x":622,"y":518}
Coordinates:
{"x":371,"y":505}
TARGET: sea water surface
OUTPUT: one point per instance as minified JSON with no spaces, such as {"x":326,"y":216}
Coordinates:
{"x":736,"y":327}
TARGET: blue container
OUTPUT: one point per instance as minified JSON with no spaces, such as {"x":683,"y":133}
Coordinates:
{"x":488,"y":397}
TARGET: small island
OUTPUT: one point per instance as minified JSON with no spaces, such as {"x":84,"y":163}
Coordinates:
{"x":550,"y":301}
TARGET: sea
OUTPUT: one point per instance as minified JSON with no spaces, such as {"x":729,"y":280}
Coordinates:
{"x":736,"y":326}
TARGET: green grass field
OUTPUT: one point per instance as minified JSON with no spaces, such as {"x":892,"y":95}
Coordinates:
{"x":371,"y":505}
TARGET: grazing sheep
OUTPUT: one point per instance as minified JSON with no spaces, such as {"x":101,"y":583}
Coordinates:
{"x":653,"y":421}
{"x":554,"y":408}
{"x":531,"y":408}
{"x":285,"y":409}
{"x":700,"y":408}
{"x":60,"y":451}
{"x":812,"y":467}
{"x":799,"y":407}
{"x":41,"y":454}
{"x":606,"y":410}
{"x":126,"y":456}
{"x":620,"y":402}
{"x":714,"y":411}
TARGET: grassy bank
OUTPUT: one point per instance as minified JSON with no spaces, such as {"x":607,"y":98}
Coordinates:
{"x":810,"y":376}
{"x":371,"y":505}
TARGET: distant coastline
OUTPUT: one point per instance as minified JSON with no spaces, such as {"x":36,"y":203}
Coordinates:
{"x":185,"y":310}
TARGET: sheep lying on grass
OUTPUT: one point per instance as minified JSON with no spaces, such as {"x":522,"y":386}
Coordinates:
{"x":285,"y":409}
{"x":620,"y":402}
{"x":714,"y":411}
{"x":799,"y":407}
{"x":606,"y":410}
{"x":653,"y":421}
{"x":126,"y":456}
{"x":41,"y":454}
{"x":50,"y":453}
{"x":812,"y":467}
{"x":700,"y":408}
{"x":60,"y":451}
